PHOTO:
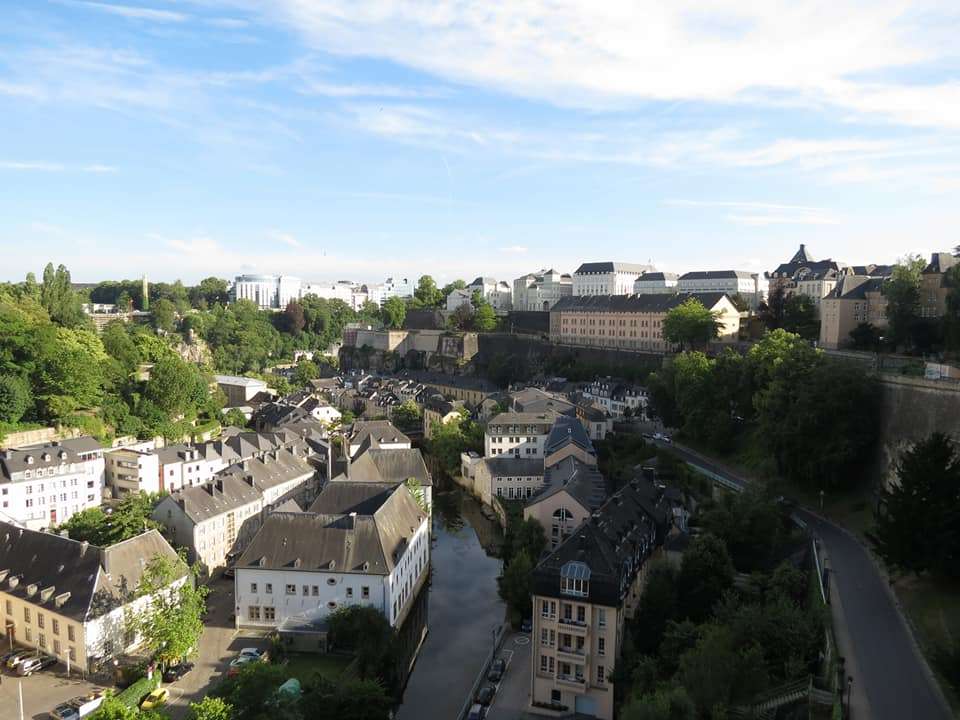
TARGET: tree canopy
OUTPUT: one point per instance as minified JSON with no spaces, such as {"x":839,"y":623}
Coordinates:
{"x":690,"y":324}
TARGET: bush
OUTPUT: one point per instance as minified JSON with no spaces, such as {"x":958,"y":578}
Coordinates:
{"x":132,"y":696}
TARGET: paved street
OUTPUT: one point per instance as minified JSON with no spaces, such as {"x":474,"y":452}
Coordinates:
{"x":513,"y":690}
{"x":42,"y":692}
{"x":890,"y":677}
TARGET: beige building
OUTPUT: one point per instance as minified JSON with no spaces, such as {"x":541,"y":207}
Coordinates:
{"x":583,"y":592}
{"x":803,"y":275}
{"x":934,"y":285}
{"x":571,"y":492}
{"x":518,"y":433}
{"x":856,"y":299}
{"x":631,"y":322}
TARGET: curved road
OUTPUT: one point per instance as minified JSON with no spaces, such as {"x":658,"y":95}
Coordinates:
{"x":891,"y":680}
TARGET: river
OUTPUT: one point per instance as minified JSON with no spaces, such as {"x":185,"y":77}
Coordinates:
{"x":464,"y":608}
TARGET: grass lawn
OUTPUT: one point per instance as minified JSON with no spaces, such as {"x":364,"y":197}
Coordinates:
{"x":303,"y":665}
{"x":933,"y":607}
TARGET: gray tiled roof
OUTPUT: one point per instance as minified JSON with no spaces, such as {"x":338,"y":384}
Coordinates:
{"x":583,"y":482}
{"x":606,"y":267}
{"x":389,"y":466}
{"x":567,"y":430}
{"x":214,"y":498}
{"x":716,"y":275}
{"x":632,"y":303}
{"x":344,"y":497}
{"x":507,"y":466}
{"x":657,"y":276}
{"x":376,"y":432}
{"x":46,"y":455}
{"x":273,"y":468}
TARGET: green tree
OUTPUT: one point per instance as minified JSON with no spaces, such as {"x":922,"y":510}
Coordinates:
{"x":113,"y":709}
{"x":59,"y":299}
{"x":394,"y":312}
{"x":427,"y":294}
{"x":293,"y":320}
{"x":751,"y":525}
{"x":211,"y":291}
{"x":71,"y":372}
{"x":514,"y":585}
{"x":865,"y":336}
{"x":450,"y":287}
{"x":917,"y":518}
{"x":210,"y":708}
{"x":800,"y":317}
{"x":177,"y":387}
{"x":448,"y":440}
{"x":164,"y":315}
{"x":120,"y":346}
{"x":171,"y":624}
{"x":416,"y":490}
{"x":408,"y":415}
{"x":706,"y":572}
{"x":461,"y":318}
{"x":305,"y":371}
{"x":658,"y":606}
{"x":15,"y":398}
{"x":484,"y":318}
{"x":88,"y":525}
{"x":368,"y":634}
{"x":250,"y":692}
{"x":346,"y":699}
{"x":234,"y":418}
{"x":690,"y":324}
{"x":902,"y":293}
{"x":664,"y":704}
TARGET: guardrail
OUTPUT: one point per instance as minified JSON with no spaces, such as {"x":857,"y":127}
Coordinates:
{"x":497,"y":644}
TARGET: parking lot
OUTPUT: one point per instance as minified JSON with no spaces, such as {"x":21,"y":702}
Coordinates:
{"x":42,"y":692}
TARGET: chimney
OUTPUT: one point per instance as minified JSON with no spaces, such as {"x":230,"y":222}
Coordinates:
{"x":83,"y":548}
{"x":353,"y":521}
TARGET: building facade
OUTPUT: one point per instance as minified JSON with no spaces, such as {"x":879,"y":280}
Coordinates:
{"x":854,"y":300}
{"x":45,"y":485}
{"x":496,"y":292}
{"x":270,"y":292}
{"x":655,"y":283}
{"x":540,"y":291}
{"x":607,"y":278}
{"x":752,"y":287}
{"x":632,"y":322}
{"x":522,"y":435}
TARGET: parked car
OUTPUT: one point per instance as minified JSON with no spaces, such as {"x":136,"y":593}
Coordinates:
{"x":237,"y":663}
{"x":496,"y":670}
{"x":31,"y":665}
{"x":172,"y":674}
{"x":79,"y":707}
{"x":155,"y":699}
{"x":477,"y":712}
{"x":526,"y":626}
{"x":18,"y":657}
{"x":254,"y":653}
{"x":485,"y":695}
{"x":67,"y":711}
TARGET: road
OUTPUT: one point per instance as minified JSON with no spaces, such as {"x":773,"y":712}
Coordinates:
{"x":891,"y":680}
{"x":513,"y":691}
{"x":42,"y":692}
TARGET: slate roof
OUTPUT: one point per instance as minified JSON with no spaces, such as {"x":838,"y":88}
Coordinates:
{"x":607,"y":267}
{"x":202,"y":502}
{"x":632,"y":303}
{"x":523,"y":418}
{"x":802,"y":256}
{"x":272,"y":469}
{"x":939,"y":263}
{"x":855,"y":287}
{"x":46,"y":455}
{"x":388,"y":466}
{"x":535,"y":400}
{"x":567,"y":430}
{"x":371,"y":544}
{"x":74,"y":579}
{"x":657,"y":276}
{"x":376,"y":432}
{"x":507,"y":466}
{"x":613,"y":544}
{"x":344,"y":497}
{"x":583,"y":482}
{"x":716,"y":275}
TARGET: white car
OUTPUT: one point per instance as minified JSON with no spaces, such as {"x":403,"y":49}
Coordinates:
{"x":250,"y":652}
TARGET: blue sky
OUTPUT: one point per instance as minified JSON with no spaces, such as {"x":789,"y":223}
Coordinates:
{"x":358,"y":140}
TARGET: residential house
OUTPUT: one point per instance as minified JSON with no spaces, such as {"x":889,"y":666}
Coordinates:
{"x":239,"y":390}
{"x":517,"y":433}
{"x":132,"y":469}
{"x":72,"y":599}
{"x":46,"y":484}
{"x":458,"y":298}
{"x":540,"y":291}
{"x":854,"y":300}
{"x":632,"y":322}
{"x":361,"y":544}
{"x":378,"y":434}
{"x":607,"y":278}
{"x":437,"y":409}
{"x":583,"y":593}
{"x":655,"y":283}
{"x":572,"y":490}
{"x":496,"y":292}
{"x":935,"y":285}
{"x":803,"y":275}
{"x":617,"y":396}
{"x":507,"y":476}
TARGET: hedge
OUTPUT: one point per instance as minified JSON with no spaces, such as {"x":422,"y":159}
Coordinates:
{"x":132,"y":696}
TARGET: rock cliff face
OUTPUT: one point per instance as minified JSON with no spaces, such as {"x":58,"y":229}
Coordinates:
{"x":912,"y":409}
{"x":195,"y":351}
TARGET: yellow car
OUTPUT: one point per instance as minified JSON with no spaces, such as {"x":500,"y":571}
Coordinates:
{"x":155,"y":699}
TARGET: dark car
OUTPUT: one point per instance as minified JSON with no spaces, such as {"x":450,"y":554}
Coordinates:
{"x":172,"y":674}
{"x":41,"y":662}
{"x":485,"y":695}
{"x":526,"y":626}
{"x":496,"y":670}
{"x":477,"y":712}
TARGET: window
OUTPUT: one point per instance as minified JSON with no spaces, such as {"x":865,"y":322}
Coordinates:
{"x":543,"y":636}
{"x":365,"y":592}
{"x":253,"y":588}
{"x":306,"y":590}
{"x":41,"y":621}
{"x":349,"y":592}
{"x":269,"y":588}
{"x":545,"y":609}
{"x":269,"y":613}
{"x":43,"y":641}
{"x":602,"y":646}
{"x":72,"y":654}
{"x":601,"y":617}
{"x":601,"y":675}
{"x":70,"y":633}
{"x":56,"y":647}
{"x":28,"y":635}
{"x":543,"y":663}
{"x":581,"y":614}
{"x":9,"y":608}
{"x":253,"y":612}
{"x":291,"y":589}
{"x":26,"y":614}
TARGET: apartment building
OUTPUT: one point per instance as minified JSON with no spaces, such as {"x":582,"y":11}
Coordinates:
{"x":541,"y":290}
{"x":267,"y":291}
{"x":132,"y":469}
{"x":607,"y":278}
{"x":655,"y":283}
{"x":752,"y":287}
{"x":496,"y":292}
{"x":583,"y":592}
{"x":803,"y":275}
{"x":360,"y":544}
{"x":519,"y":434}
{"x":935,"y":285}
{"x":616,"y":396}
{"x":854,"y":300}
{"x":631,"y":322}
{"x":46,"y":484}
{"x":72,"y":599}
{"x":572,"y":491}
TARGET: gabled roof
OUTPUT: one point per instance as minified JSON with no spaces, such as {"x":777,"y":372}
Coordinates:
{"x":717,"y":275}
{"x":344,"y":497}
{"x":939,"y":263}
{"x":388,"y":466}
{"x":44,"y":455}
{"x":584,"y":483}
{"x":202,"y":502}
{"x":375,"y":433}
{"x":512,"y":466}
{"x":567,"y":430}
{"x":363,"y":543}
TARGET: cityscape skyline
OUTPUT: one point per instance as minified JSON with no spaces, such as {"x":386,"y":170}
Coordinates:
{"x":197,"y":138}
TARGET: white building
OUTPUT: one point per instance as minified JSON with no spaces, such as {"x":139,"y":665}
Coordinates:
{"x":655,"y":283}
{"x":616,"y":396}
{"x":401,"y":287}
{"x":458,"y":298}
{"x":496,"y":292}
{"x":353,"y":294}
{"x":72,"y":599}
{"x":360,"y":544}
{"x":132,"y":469}
{"x":607,"y":278}
{"x":267,"y":291}
{"x":519,"y":434}
{"x":239,"y":390}
{"x":540,"y":291}
{"x":752,"y":287}
{"x":44,"y":485}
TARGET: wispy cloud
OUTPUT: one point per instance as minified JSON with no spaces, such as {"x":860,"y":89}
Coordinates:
{"x":284,"y":237}
{"x":195,"y":247}
{"x":514,"y":250}
{"x":738,"y":204}
{"x":43,"y":166}
{"x":762,"y":214}
{"x":132,"y":12}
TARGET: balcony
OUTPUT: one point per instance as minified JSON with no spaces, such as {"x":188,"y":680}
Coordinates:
{"x":573,"y":682}
{"x":572,"y":653}
{"x":579,"y":628}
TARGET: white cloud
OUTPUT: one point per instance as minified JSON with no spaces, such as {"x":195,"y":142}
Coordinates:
{"x":198,"y":247}
{"x":43,"y":166}
{"x":335,"y":90}
{"x":619,"y":52}
{"x":131,"y":12}
{"x":514,"y":250}
{"x":283,"y":237}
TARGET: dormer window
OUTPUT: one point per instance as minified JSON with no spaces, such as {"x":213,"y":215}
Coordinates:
{"x":575,"y":579}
